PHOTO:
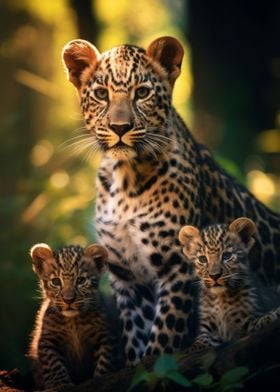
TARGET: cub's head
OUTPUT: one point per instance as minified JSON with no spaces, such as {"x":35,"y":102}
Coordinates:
{"x":69,"y":276}
{"x":125,"y":94}
{"x":220,"y":252}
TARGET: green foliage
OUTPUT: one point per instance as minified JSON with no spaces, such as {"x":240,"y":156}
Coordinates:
{"x":231,"y":167}
{"x":204,"y":379}
{"x":166,"y":370}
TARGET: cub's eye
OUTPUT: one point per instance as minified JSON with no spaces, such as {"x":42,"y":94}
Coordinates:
{"x":142,"y":92}
{"x":81,"y":280}
{"x":202,"y":259}
{"x":227,"y":256}
{"x":101,"y":93}
{"x":56,"y":282}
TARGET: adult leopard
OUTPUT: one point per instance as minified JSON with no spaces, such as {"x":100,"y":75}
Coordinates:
{"x":153,"y":179}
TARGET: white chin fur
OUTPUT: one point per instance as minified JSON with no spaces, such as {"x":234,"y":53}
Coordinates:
{"x":218,"y":289}
{"x":70,"y":313}
{"x":121,"y":153}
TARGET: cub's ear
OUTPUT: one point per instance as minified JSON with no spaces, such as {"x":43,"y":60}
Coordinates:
{"x":40,"y":253}
{"x":189,"y":236}
{"x":245,"y":228}
{"x":78,"y":55}
{"x":99,"y":255}
{"x":168,"y":52}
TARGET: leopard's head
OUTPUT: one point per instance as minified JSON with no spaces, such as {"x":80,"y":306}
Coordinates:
{"x":125,"y":94}
{"x":69,"y":277}
{"x":220,"y":252}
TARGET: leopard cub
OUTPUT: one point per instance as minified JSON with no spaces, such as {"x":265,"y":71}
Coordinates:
{"x":71,"y":341}
{"x":230,"y":302}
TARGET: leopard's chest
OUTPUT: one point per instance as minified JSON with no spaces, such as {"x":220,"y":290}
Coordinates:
{"x":229,"y":314}
{"x":79,"y":347}
{"x":134,"y":228}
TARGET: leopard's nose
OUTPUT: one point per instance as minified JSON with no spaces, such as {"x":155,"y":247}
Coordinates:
{"x":121,"y":129}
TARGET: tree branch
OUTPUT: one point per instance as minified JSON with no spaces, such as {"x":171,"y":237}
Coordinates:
{"x":258,"y":352}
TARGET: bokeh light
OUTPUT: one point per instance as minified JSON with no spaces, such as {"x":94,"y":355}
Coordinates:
{"x":41,"y":153}
{"x":59,"y":179}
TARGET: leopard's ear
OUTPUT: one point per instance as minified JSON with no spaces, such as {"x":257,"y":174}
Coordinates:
{"x":40,"y":254}
{"x":189,"y":236}
{"x":99,"y":255}
{"x":168,"y":52}
{"x":245,"y":228}
{"x":78,"y":55}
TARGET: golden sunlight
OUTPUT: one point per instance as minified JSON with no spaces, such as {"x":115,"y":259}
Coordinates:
{"x":41,"y":153}
{"x":59,"y":179}
{"x":262,"y":185}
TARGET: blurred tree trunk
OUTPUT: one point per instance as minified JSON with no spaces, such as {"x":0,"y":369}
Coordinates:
{"x":24,"y":119}
{"x":87,"y":22}
{"x":236,"y":69}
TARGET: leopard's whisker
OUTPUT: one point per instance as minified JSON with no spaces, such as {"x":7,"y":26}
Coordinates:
{"x":82,"y":128}
{"x":150,"y":150}
{"x":159,"y":137}
{"x":153,"y":146}
{"x":93,"y":148}
{"x":80,"y":146}
{"x":76,"y":139}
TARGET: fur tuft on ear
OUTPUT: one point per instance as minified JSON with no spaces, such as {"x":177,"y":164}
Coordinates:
{"x":77,"y":55}
{"x":39,"y":254}
{"x":245,"y":228}
{"x":189,"y":237}
{"x":168,"y":52}
{"x":99,"y":255}
{"x":188,"y":233}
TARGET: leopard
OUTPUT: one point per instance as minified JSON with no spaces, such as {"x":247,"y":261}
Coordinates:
{"x":153,"y":178}
{"x":232,"y":304}
{"x":71,"y":341}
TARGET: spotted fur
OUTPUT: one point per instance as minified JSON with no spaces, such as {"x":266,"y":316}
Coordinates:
{"x":71,"y":341}
{"x":153,"y":179}
{"x":231,"y":304}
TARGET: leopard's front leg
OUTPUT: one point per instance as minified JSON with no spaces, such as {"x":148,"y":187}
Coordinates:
{"x":136,"y":307}
{"x":50,"y":364}
{"x":104,"y":356}
{"x":175,"y":319}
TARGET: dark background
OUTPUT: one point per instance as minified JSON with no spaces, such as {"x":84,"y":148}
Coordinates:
{"x":228,"y":94}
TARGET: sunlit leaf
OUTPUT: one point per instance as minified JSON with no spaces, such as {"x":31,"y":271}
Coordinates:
{"x":234,"y":375}
{"x":164,"y":364}
{"x":179,"y":378}
{"x":203,"y":379}
{"x":140,"y":376}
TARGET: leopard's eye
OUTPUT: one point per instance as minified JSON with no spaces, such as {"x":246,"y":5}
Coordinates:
{"x":101,"y":93}
{"x":227,"y":256}
{"x":202,"y":259}
{"x":142,"y":92}
{"x":81,"y":280}
{"x":56,"y":282}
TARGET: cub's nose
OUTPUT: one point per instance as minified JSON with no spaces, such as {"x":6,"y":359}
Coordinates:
{"x":121,"y":129}
{"x":215,"y":276}
{"x":69,"y":299}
